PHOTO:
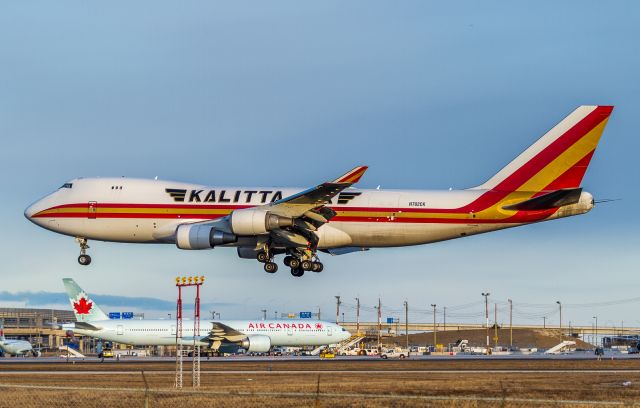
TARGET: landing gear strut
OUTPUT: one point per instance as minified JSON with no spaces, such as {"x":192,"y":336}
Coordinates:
{"x":83,"y":259}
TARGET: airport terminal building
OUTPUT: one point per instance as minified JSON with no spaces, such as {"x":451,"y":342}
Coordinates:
{"x":38,"y":326}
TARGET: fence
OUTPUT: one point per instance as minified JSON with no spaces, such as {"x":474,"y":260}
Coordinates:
{"x":17,"y":395}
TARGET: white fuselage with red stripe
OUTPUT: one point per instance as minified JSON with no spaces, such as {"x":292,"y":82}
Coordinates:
{"x":149,"y":211}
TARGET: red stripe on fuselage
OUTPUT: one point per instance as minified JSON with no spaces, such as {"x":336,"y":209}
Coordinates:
{"x":82,"y":213}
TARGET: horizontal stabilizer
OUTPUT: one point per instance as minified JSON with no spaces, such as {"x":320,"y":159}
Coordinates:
{"x":547,"y":201}
{"x":86,"y":326}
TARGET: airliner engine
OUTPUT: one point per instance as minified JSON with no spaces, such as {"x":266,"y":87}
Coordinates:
{"x":255,"y":221}
{"x":196,"y":236}
{"x":256,"y":343}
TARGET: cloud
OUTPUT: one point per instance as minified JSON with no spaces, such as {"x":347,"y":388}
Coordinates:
{"x":41,"y":299}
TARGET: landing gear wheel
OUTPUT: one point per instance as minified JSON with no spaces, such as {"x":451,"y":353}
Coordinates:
{"x":84,"y":260}
{"x":287,"y":260}
{"x":262,"y":257}
{"x":306,"y":265}
{"x":270,"y":267}
{"x":297,"y":272}
{"x":294,"y":263}
{"x":316,"y":267}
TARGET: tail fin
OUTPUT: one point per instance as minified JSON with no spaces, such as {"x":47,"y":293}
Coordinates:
{"x":559,"y":159}
{"x":2,"y":331}
{"x":84,"y":308}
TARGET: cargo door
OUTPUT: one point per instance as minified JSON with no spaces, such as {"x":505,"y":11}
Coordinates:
{"x":92,"y":208}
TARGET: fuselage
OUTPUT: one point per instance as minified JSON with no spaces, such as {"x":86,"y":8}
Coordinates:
{"x":149,"y":211}
{"x":291,"y":332}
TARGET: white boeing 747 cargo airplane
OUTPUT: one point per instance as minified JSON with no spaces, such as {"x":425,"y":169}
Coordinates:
{"x":252,"y":335}
{"x":542,"y":183}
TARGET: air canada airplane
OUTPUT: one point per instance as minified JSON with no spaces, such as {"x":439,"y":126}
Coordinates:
{"x":541,"y":184}
{"x":253,"y":335}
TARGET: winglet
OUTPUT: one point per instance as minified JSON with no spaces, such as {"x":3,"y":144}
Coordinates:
{"x":352,"y":176}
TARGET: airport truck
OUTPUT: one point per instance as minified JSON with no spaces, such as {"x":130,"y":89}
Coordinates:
{"x":395,"y":353}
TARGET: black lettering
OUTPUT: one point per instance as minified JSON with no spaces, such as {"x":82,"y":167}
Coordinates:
{"x":264,"y":195}
{"x":222,"y":199}
{"x":195,"y":195}
{"x":211,"y":196}
{"x":277,"y":196}
{"x":236,"y":197}
{"x":249,"y":194}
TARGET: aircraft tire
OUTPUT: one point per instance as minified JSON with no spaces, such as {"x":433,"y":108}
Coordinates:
{"x":84,"y":260}
{"x":306,"y":265}
{"x":316,"y":267}
{"x":287,"y":260}
{"x":262,"y":257}
{"x":297,"y":272}
{"x":270,"y":267}
{"x":294,"y":263}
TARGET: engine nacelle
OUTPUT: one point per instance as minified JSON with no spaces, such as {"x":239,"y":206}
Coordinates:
{"x":253,"y":221}
{"x":257,"y":344}
{"x":195,"y":236}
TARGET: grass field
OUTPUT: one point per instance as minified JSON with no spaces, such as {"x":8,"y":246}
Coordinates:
{"x":369,"y":383}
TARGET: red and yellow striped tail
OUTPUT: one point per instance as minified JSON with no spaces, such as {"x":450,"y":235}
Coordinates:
{"x":559,"y":159}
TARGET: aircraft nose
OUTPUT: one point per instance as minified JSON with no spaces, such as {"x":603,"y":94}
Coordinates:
{"x":32,"y":210}
{"x":29,"y":211}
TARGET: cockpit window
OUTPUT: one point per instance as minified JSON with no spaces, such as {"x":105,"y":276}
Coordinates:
{"x":67,"y":185}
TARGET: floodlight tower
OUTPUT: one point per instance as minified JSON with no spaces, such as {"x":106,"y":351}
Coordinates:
{"x":181,"y":282}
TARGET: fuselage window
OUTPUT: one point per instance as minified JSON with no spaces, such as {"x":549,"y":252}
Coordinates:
{"x":67,"y":185}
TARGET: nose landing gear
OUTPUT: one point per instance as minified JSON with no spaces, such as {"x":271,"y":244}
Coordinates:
{"x":83,"y":259}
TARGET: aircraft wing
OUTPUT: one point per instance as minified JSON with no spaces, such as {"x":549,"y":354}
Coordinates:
{"x":221,"y":333}
{"x":298,"y":204}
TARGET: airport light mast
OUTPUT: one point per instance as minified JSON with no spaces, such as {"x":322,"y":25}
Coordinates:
{"x":338,"y":309}
{"x":434,"y":326}
{"x":358,"y":316}
{"x":486,"y":308}
{"x":406,"y":323}
{"x":510,"y":323}
{"x":560,"y":306}
{"x":379,"y":308}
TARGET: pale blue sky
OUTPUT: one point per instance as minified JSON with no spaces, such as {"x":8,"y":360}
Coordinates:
{"x":428,"y":94}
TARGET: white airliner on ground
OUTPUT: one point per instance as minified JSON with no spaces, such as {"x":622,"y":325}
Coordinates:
{"x":15,"y":347}
{"x":252,"y":335}
{"x":542,"y":183}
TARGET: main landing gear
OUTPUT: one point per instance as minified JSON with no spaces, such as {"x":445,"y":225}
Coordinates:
{"x":83,"y":259}
{"x":298,"y":263}
{"x":267,"y":260}
{"x":298,"y":266}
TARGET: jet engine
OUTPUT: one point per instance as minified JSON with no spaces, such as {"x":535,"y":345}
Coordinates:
{"x":253,"y":221}
{"x":256,"y":344}
{"x":196,"y":236}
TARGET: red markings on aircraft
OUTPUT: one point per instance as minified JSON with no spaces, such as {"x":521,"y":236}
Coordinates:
{"x":82,"y":306}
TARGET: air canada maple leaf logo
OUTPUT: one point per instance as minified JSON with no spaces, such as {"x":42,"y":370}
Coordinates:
{"x":82,"y":306}
{"x":318,"y":326}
